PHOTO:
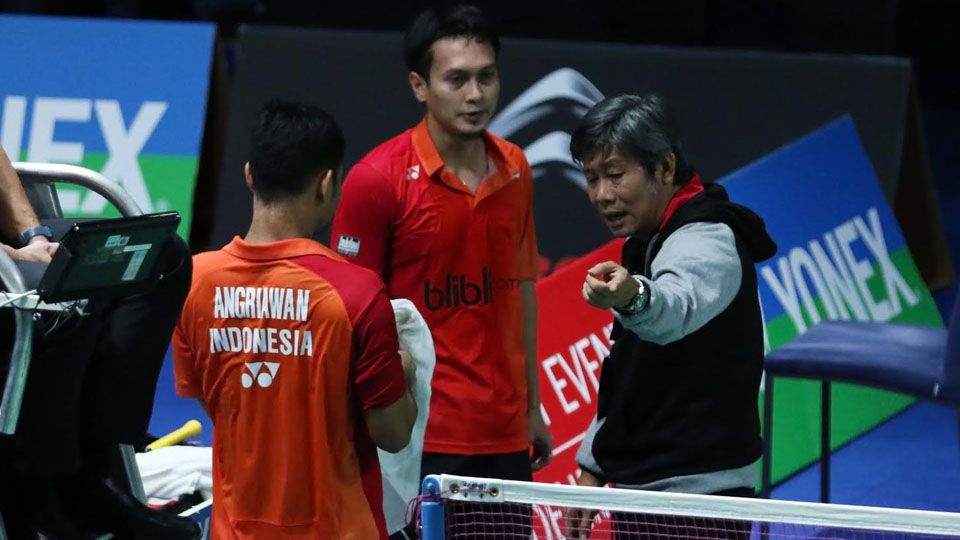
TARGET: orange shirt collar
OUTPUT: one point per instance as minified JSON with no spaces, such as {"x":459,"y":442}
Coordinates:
{"x":284,"y":249}
{"x":432,"y":162}
{"x":689,"y":190}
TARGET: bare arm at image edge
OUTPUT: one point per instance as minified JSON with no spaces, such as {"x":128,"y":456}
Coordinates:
{"x":16,"y":214}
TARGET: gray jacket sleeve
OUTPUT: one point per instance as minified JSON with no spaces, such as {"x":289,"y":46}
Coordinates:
{"x":585,"y":453}
{"x":694,"y":277}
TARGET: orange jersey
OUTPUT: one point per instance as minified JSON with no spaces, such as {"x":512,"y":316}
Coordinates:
{"x":287,"y":344}
{"x":460,"y":257}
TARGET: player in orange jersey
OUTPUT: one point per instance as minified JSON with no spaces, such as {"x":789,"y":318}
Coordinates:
{"x":294,"y":352}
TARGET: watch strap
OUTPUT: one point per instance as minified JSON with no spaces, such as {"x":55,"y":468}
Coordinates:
{"x":27,"y":235}
{"x":637,"y":303}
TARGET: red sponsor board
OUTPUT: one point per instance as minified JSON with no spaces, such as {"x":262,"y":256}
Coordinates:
{"x":573,"y":342}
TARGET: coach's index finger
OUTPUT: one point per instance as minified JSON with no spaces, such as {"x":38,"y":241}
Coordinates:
{"x":603,"y":269}
{"x":597,"y":285}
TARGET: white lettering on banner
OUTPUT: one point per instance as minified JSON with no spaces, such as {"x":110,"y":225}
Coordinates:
{"x":124,"y":147}
{"x":548,"y":518}
{"x":877,"y":244}
{"x":124,"y":143}
{"x":46,"y":113}
{"x":800,"y":262}
{"x":840,"y":280}
{"x":842,"y":290}
{"x":11,"y":129}
{"x":862,"y":270}
{"x":577,"y":369}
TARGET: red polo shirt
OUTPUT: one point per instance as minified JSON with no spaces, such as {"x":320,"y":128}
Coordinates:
{"x":460,"y":257}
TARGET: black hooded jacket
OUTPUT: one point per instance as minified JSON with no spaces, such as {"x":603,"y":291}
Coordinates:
{"x":689,"y":406}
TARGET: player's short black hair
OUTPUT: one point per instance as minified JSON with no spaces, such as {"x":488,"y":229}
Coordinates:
{"x":291,"y":142}
{"x":431,"y":25}
{"x":641,"y":127}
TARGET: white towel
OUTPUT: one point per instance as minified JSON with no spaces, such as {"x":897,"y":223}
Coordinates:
{"x":172,"y":471}
{"x":401,"y":471}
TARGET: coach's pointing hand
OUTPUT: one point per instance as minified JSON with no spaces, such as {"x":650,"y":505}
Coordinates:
{"x":609,"y":285}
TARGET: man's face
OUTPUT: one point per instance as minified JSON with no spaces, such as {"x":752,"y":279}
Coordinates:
{"x":628,"y":199}
{"x":461,"y":94}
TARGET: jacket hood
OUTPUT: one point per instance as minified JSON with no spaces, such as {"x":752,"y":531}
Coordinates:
{"x":713,"y":204}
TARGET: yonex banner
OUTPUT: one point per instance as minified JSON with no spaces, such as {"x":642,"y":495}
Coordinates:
{"x":841,"y":256}
{"x":125,"y":98}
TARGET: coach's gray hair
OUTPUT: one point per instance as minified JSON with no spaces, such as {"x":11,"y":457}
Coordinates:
{"x":639,"y":126}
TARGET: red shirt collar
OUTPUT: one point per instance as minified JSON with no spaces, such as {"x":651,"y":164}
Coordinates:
{"x":689,"y":190}
{"x":430,"y":157}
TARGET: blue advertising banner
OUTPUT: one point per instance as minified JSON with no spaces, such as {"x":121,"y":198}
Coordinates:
{"x":841,"y":255}
{"x":126,"y":98}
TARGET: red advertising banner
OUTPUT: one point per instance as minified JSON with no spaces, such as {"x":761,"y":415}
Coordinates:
{"x":574,"y":339}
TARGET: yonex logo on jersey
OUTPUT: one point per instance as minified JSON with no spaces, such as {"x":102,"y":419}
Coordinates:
{"x":263,"y":378}
{"x":348,"y":245}
{"x":413,"y":172}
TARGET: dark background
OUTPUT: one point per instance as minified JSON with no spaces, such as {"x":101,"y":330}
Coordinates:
{"x":922,"y":30}
{"x":733,"y":107}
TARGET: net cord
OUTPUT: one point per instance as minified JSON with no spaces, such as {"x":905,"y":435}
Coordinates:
{"x":465,"y":488}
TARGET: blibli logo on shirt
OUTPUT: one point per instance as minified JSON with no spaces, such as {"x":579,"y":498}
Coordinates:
{"x":457,"y":290}
{"x":413,"y":173}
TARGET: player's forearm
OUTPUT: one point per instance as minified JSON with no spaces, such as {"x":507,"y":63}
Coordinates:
{"x":528,"y":296}
{"x":16,"y":214}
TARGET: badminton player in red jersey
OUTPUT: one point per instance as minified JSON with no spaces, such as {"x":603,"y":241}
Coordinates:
{"x":443,"y":211}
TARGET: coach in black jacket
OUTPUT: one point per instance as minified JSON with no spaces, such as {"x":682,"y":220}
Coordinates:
{"x":677,"y":409}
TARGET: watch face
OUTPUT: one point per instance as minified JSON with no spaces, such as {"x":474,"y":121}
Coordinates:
{"x":642,"y":297}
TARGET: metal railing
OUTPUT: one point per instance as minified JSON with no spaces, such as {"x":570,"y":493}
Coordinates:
{"x":39,"y":181}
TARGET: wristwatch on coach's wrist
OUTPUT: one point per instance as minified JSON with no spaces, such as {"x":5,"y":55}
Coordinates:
{"x":40,"y":230}
{"x":637,"y":303}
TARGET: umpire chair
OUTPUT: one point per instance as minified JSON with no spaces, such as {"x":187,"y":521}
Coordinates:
{"x":39,"y":182}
